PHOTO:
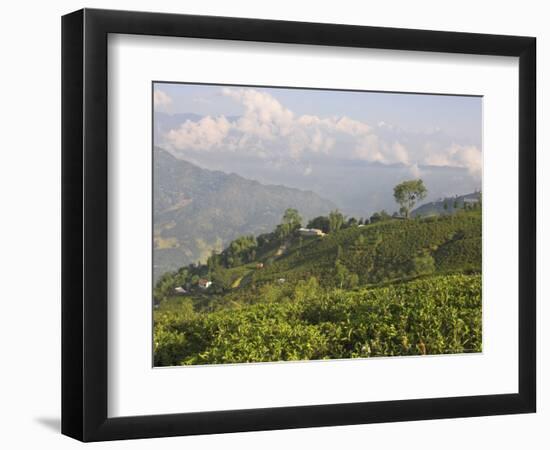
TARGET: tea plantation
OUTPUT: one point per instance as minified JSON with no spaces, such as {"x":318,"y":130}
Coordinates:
{"x":389,"y":288}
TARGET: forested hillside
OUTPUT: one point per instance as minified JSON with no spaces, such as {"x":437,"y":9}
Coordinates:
{"x":394,"y":286}
{"x":196,"y":210}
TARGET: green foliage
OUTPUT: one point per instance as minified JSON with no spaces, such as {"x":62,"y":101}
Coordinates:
{"x":168,"y":343}
{"x":422,"y":265}
{"x":381,"y":289}
{"x":380,"y":252}
{"x":352,"y":222}
{"x":381,"y":216}
{"x":240,"y":251}
{"x":341,"y":273}
{"x":321,"y":223}
{"x":460,"y":253}
{"x":435,"y":315}
{"x":335,"y":220}
{"x":166,"y":284}
{"x":290,"y":222}
{"x":292,"y":218}
{"x":408,"y":193}
{"x":353,"y":280}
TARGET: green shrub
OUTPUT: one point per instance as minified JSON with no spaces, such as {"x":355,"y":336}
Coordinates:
{"x":436,"y":315}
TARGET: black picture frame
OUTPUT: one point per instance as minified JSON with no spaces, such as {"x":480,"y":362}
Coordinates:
{"x":84,"y":224}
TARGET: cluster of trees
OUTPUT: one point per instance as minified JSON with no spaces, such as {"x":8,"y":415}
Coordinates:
{"x":332,"y":223}
{"x":336,"y":221}
{"x":407,"y":194}
{"x":381,"y":216}
{"x":165,"y":285}
{"x":240,"y":251}
{"x":329,"y":224}
{"x":247,"y":249}
{"x":186,"y":277}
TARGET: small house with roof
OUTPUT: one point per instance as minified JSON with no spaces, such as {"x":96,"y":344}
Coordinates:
{"x":204,"y":283}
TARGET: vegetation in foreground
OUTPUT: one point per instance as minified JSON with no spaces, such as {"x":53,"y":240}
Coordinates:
{"x":436,"y":315}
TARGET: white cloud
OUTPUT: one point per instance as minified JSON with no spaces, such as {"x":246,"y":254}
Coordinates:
{"x":264,"y":116}
{"x":202,"y":135}
{"x":463,"y":156}
{"x":161,"y":100}
{"x":368,"y":149}
{"x":400,"y":153}
{"x":269,"y":131}
{"x":415,"y":171}
{"x":352,"y":127}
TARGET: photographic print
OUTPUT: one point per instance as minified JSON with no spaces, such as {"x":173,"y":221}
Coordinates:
{"x":294,"y":224}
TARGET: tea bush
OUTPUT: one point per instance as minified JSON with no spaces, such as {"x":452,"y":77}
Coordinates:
{"x":432,"y":315}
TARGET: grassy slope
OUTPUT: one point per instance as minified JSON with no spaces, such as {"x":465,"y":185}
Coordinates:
{"x":386,"y":314}
{"x":382,"y":251}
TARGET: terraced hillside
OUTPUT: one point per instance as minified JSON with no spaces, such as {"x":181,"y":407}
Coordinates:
{"x":397,"y":287}
{"x":436,"y":315}
{"x":384,"y":251}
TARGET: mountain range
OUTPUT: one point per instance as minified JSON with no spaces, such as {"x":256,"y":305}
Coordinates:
{"x":197,"y":210}
{"x":358,"y":186}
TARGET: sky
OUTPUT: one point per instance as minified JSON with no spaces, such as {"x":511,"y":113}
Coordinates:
{"x":351,"y":147}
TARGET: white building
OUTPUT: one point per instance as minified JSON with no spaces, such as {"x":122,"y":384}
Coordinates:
{"x":311,"y":232}
{"x":180,"y":290}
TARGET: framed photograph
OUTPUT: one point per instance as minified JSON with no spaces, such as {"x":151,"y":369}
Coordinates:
{"x":273,"y":224}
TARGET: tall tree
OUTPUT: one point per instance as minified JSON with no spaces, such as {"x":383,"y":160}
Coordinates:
{"x":336,"y":220}
{"x":292,"y":217}
{"x":408,"y":193}
{"x":291,"y":221}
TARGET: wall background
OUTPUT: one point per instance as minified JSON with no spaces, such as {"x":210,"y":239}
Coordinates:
{"x":30,"y":226}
